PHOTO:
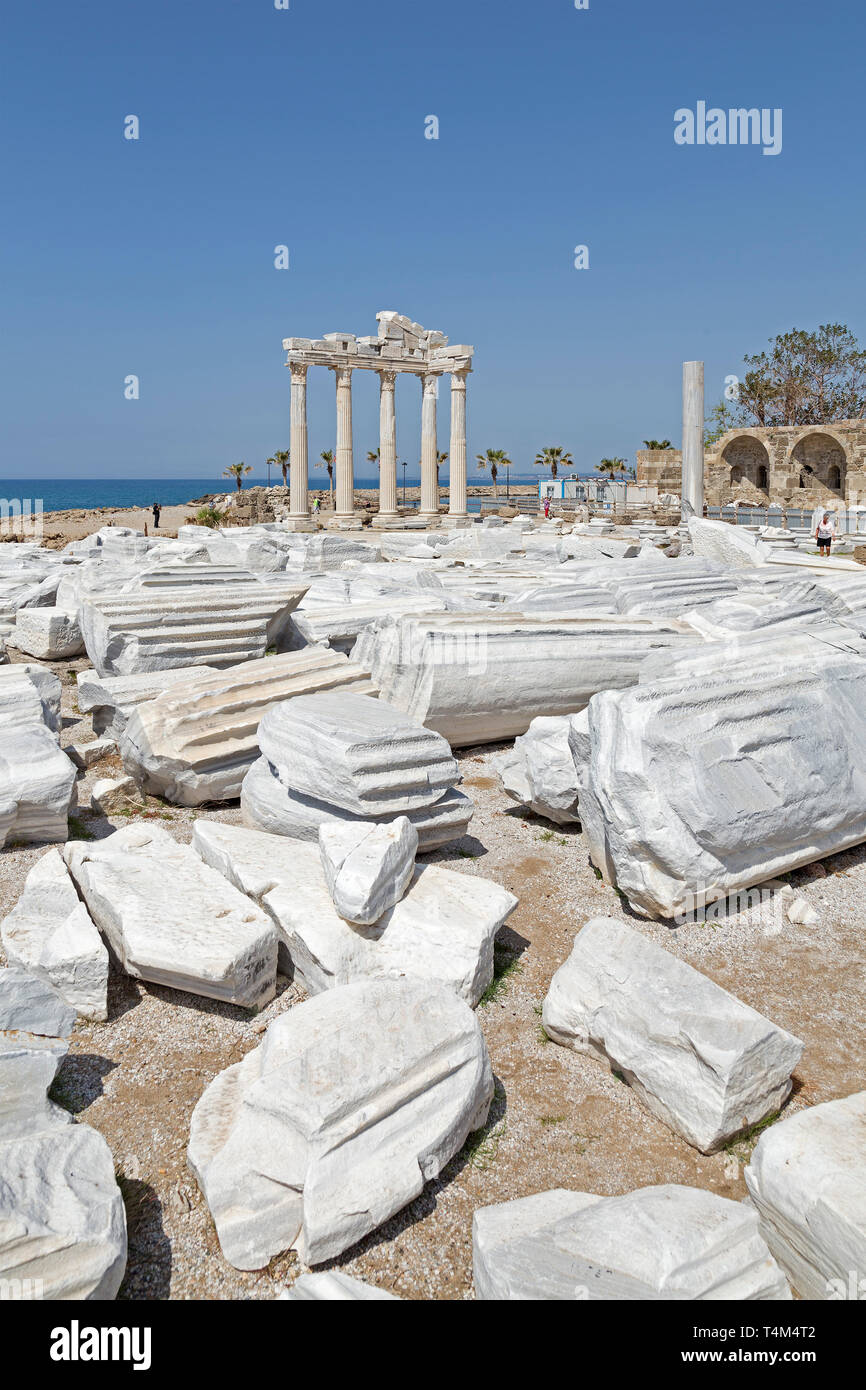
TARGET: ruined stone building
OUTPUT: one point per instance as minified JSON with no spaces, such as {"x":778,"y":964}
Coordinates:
{"x":796,"y":465}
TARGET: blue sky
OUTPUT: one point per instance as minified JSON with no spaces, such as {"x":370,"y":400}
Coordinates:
{"x":306,"y":127}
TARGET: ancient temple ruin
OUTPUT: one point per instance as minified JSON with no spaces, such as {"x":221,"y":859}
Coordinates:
{"x":401,"y":346}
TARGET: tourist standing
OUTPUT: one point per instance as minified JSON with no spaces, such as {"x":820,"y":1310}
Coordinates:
{"x":156,"y":511}
{"x":825,"y":534}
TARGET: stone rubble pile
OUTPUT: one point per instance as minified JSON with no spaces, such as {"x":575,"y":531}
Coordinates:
{"x":196,"y":741}
{"x":441,"y":928}
{"x":701,"y":718}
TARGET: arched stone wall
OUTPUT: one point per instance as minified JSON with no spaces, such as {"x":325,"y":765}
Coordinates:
{"x":822,"y":463}
{"x":747,"y":459}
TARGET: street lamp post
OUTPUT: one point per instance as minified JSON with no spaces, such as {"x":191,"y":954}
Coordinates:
{"x":269,"y":472}
{"x":404,"y":481}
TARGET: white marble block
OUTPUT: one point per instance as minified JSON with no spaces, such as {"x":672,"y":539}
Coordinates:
{"x":667,"y":1243}
{"x":807,"y":1179}
{"x":172,"y":920}
{"x":367,"y":867}
{"x":701,"y":1060}
{"x":50,"y":933}
{"x":353,"y":1102}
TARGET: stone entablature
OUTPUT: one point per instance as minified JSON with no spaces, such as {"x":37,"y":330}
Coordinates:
{"x":795,"y":465}
{"x":401,"y":346}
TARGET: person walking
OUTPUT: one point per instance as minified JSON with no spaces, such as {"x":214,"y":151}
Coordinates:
{"x":825,"y":534}
{"x":546,"y":507}
{"x":156,"y":511}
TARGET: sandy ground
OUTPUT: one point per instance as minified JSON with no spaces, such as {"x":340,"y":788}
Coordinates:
{"x":558,"y":1119}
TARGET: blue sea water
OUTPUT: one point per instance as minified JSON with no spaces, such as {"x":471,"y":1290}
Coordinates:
{"x":66,"y":494}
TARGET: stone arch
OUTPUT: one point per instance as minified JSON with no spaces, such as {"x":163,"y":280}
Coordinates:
{"x":747,"y":460}
{"x":822,"y":463}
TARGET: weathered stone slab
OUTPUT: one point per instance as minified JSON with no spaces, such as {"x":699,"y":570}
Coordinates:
{"x":62,"y":1219}
{"x":478,"y":679}
{"x":367,"y":867}
{"x":807,"y":1180}
{"x":442,"y":929}
{"x":657,"y":1243}
{"x":110,"y":700}
{"x":49,"y":932}
{"x":30,"y":694}
{"x":196,"y":741}
{"x":198,"y":625}
{"x":33,"y":1005}
{"x":37,"y":785}
{"x":539,"y":771}
{"x":268,"y":805}
{"x":172,"y":920}
{"x":355,"y":753}
{"x":48,"y":633}
{"x":707,"y":784}
{"x":701,"y":1060}
{"x":354,"y":1100}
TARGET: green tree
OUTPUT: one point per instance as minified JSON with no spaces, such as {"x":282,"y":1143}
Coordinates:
{"x":612,"y":466}
{"x":326,"y":460}
{"x":281,"y":460}
{"x":373,"y":456}
{"x":238,"y":471}
{"x":657,"y":444}
{"x":804,"y":379}
{"x":554,"y":459}
{"x":493,"y":459}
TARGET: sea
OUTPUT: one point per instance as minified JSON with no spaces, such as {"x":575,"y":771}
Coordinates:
{"x":67,"y":494}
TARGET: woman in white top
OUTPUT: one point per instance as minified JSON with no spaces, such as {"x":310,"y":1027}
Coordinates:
{"x":825,"y":534}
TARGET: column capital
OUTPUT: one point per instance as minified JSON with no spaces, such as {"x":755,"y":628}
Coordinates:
{"x":299,"y":371}
{"x":459,"y":379}
{"x":343,"y":374}
{"x":388,"y":379}
{"x":430,"y":382}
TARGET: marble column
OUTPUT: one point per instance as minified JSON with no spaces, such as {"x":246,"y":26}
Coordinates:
{"x":345,"y":467}
{"x":457,"y":453}
{"x":298,"y":449}
{"x":387,"y":445}
{"x":429,"y":447}
{"x":693,"y":438}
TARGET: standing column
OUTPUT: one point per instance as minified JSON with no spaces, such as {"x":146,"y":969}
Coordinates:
{"x":457,"y":454}
{"x":429,"y":446}
{"x":693,"y":438}
{"x":345,"y":466}
{"x":298,"y":444}
{"x":387,"y":445}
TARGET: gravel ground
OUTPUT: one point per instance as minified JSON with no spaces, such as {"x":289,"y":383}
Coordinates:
{"x":558,"y":1119}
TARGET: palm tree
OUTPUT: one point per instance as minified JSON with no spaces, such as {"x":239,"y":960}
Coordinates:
{"x":281,"y":460}
{"x":494,"y":459}
{"x":237,"y":471}
{"x":657,"y":444}
{"x":326,"y":460}
{"x":440,"y":459}
{"x":612,"y":466}
{"x":554,"y":459}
